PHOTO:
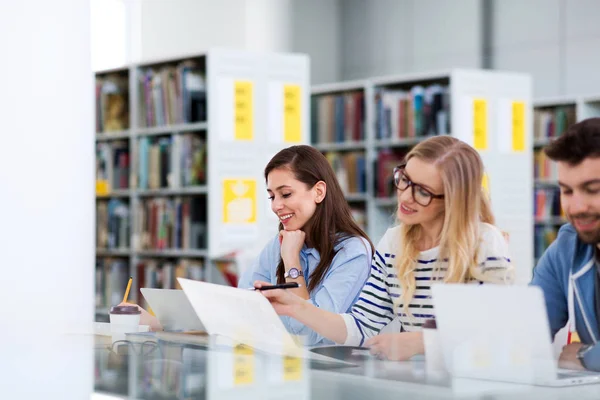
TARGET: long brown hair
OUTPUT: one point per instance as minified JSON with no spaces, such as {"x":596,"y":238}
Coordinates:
{"x":332,"y":221}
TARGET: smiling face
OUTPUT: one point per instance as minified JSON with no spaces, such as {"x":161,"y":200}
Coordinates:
{"x":580,"y":197}
{"x":291,"y":200}
{"x":427,"y":176}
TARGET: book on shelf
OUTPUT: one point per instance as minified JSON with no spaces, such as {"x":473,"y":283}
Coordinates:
{"x":338,"y":118}
{"x":544,"y":235}
{"x":112,"y":224}
{"x":112,"y":275}
{"x":360,"y":217}
{"x":163,"y":274}
{"x":172,"y":223}
{"x":171,"y":161}
{"x":543,"y":167}
{"x":547,"y":204}
{"x":112,"y":102}
{"x":385,"y":163}
{"x":350,"y":170}
{"x":550,"y":123}
{"x":172,"y":94}
{"x":420,"y":111}
{"x":112,"y":165}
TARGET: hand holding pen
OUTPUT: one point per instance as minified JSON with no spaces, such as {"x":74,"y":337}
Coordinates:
{"x":288,"y":285}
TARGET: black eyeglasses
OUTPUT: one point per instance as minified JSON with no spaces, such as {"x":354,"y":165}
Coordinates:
{"x":421,"y":195}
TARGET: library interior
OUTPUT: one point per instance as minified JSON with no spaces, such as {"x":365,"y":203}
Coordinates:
{"x":300,"y":199}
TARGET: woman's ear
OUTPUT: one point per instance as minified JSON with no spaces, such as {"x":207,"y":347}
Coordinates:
{"x":320,"y":189}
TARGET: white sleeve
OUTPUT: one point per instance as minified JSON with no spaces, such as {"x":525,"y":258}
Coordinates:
{"x":493,"y":258}
{"x":353,"y":337}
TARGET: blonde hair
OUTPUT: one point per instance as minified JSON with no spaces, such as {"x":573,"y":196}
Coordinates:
{"x":466,"y":205}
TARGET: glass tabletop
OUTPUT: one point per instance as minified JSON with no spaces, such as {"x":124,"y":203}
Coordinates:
{"x":177,"y":366}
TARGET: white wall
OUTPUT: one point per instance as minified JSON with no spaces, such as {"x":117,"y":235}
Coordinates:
{"x":317,"y":31}
{"x":557,"y":41}
{"x":47,"y":200}
{"x":397,"y":36}
{"x":178,"y":27}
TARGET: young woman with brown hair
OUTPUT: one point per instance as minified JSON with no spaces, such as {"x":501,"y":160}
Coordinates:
{"x":318,"y":245}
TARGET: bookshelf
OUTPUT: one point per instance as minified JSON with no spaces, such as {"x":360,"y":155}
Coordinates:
{"x":181,"y":145}
{"x":397,"y":112}
{"x":552,"y":116}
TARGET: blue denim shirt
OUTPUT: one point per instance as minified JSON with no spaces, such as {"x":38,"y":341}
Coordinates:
{"x":566,"y":274}
{"x":337,"y":292}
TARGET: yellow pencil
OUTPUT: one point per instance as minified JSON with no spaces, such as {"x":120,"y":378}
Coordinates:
{"x":127,"y":290}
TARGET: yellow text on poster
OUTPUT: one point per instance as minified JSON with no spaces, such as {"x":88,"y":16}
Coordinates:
{"x":239,"y":201}
{"x":292,"y":368}
{"x":244,"y":110}
{"x":243,"y":365}
{"x":518,"y":126}
{"x":480,"y":134}
{"x":291,"y":114}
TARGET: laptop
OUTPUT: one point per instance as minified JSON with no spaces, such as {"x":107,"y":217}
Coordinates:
{"x":246,"y":316}
{"x":173,"y":309}
{"x":499,"y":333}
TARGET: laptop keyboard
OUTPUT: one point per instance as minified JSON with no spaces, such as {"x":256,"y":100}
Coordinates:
{"x":569,"y":373}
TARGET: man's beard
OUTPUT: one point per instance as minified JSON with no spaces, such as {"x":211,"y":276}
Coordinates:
{"x":589,"y":237}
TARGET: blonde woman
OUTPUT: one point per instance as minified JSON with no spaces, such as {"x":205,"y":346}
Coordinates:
{"x":445,"y":233}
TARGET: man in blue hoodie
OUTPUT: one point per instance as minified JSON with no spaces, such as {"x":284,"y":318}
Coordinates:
{"x":569,"y":270}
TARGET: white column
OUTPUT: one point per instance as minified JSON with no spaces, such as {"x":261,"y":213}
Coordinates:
{"x":268,"y":25}
{"x":46,"y":199}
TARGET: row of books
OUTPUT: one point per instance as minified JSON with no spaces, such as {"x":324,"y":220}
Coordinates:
{"x":421,"y":111}
{"x":112,"y":224}
{"x":172,"y":223}
{"x":172,"y":162}
{"x":546,"y":203}
{"x":112,"y":275}
{"x":543,"y":167}
{"x":552,"y":122}
{"x":112,"y":103}
{"x":360,"y":217}
{"x":338,"y":118}
{"x":543,"y":237}
{"x":350,"y":169}
{"x":112,"y":164}
{"x":172,"y":94}
{"x":163,"y":274}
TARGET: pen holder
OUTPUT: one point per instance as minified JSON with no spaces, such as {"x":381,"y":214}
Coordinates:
{"x":124,"y":319}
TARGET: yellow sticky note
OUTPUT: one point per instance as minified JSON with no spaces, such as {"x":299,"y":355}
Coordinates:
{"x":243,"y":110}
{"x":243,"y":365}
{"x":485,"y":183}
{"x":239,"y":201}
{"x":291,"y":114}
{"x":292,"y":368}
{"x":518,"y":126}
{"x":480,"y":134}
{"x":102,"y":188}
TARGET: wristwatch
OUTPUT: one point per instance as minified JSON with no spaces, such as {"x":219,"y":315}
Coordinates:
{"x":581,"y":353}
{"x":293,"y":273}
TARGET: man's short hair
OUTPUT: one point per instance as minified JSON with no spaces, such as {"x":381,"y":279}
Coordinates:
{"x":580,"y":141}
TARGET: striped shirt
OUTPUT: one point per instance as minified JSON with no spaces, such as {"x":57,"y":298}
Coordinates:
{"x":378,"y":303}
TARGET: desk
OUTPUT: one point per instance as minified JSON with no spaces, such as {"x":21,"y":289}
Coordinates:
{"x":166,"y":370}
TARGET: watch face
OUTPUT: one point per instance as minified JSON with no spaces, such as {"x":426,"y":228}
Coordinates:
{"x":294,"y":273}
